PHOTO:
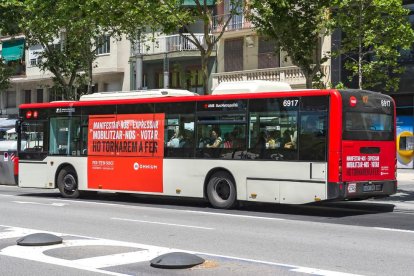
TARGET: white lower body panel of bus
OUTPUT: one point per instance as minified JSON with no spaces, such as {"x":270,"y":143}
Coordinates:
{"x":261,"y":181}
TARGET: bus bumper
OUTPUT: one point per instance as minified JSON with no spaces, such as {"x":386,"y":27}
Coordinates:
{"x":361,"y":190}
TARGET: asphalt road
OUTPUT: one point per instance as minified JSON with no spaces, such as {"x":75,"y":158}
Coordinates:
{"x":110,"y":234}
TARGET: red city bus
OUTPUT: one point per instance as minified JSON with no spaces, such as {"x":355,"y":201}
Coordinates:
{"x":280,"y":146}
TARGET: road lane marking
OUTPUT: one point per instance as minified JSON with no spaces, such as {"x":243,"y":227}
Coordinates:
{"x":44,"y":204}
{"x":13,"y":232}
{"x":231,"y":215}
{"x":321,"y":272}
{"x":121,"y":258}
{"x":163,"y":223}
{"x":394,"y":230}
{"x":98,"y":264}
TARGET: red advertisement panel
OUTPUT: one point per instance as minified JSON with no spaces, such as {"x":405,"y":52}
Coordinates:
{"x":138,"y":174}
{"x":126,"y":152}
{"x":368,"y":160}
{"x":126,"y":135}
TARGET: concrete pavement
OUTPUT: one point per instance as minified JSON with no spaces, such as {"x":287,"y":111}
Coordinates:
{"x":404,"y":198}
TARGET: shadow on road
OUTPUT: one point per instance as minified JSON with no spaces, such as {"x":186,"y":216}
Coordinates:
{"x":321,"y":209}
{"x":401,"y":196}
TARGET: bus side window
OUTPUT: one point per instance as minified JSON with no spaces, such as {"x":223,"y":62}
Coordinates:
{"x":312,"y":137}
{"x":273,"y":129}
{"x":179,"y":136}
{"x":64,"y":139}
{"x":84,"y":136}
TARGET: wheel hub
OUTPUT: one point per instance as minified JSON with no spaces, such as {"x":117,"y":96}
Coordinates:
{"x":69,"y":182}
{"x":223,"y":189}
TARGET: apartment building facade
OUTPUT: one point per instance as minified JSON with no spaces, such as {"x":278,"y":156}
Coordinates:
{"x":162,"y":61}
{"x":244,"y":55}
{"x":111,"y":72}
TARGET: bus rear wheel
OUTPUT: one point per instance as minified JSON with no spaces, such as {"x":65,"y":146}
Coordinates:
{"x":221,"y":190}
{"x":68,"y":183}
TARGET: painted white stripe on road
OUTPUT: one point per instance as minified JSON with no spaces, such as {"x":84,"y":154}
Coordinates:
{"x":12,"y":232}
{"x":36,"y":253}
{"x":231,"y":215}
{"x":121,"y":259}
{"x":44,"y":204}
{"x":162,"y":223}
{"x":320,"y":272}
{"x":395,"y":230}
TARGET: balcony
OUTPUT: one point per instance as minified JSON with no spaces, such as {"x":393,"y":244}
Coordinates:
{"x":237,"y":22}
{"x":18,"y":68}
{"x":292,"y":75}
{"x":167,"y":44}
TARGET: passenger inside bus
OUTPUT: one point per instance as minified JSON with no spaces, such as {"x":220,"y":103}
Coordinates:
{"x":312,"y":138}
{"x":175,"y":140}
{"x":290,"y":138}
{"x":216,"y":140}
{"x":187,"y":139}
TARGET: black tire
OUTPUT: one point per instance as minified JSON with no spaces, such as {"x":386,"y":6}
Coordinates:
{"x":221,"y":190}
{"x":68,"y":183}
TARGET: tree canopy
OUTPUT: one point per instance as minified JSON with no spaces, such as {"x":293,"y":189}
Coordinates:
{"x":169,"y":16}
{"x":298,"y":27}
{"x":69,"y":32}
{"x":372,"y":40}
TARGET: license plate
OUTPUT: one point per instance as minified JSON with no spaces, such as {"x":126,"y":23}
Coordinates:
{"x":372,"y":188}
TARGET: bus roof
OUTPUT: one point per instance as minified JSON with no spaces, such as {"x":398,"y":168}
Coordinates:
{"x":136,"y":94}
{"x":255,"y":86}
{"x":177,"y":98}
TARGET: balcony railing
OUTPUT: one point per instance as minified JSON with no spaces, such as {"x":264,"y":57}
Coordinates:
{"x":17,"y":68}
{"x":166,"y":44}
{"x":237,"y":22}
{"x":292,"y":75}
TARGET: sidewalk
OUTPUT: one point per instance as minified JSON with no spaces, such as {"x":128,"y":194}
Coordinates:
{"x":405,"y":175}
{"x":404,"y":198}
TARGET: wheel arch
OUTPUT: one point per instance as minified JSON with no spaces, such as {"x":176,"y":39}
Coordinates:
{"x":210,"y":173}
{"x":60,"y":167}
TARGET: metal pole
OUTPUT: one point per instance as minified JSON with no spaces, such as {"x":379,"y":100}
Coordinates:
{"x":166,"y":70}
{"x":138,"y":62}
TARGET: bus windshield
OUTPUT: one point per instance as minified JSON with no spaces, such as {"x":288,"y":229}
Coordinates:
{"x":368,"y":126}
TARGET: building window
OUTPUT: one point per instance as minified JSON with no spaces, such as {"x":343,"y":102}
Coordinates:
{"x":159,"y":80}
{"x":55,"y":95}
{"x":175,"y":79}
{"x":103,"y":45}
{"x":27,"y":96}
{"x":35,"y":61}
{"x":233,"y":55}
{"x":11,"y":99}
{"x":39,"y":95}
{"x":267,"y":57}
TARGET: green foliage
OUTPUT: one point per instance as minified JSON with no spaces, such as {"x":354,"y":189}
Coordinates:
{"x":67,"y":30}
{"x":298,"y":26}
{"x":9,"y":11}
{"x":5,"y":74}
{"x":372,"y":40}
{"x":169,"y":16}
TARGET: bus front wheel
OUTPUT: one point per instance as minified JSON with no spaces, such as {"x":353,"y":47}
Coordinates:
{"x":221,"y":190}
{"x":68,"y":183}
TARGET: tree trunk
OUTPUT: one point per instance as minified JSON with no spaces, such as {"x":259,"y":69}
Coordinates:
{"x":360,"y":67}
{"x":309,"y":78}
{"x":361,"y":7}
{"x":204,"y":70}
{"x":90,"y":82}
